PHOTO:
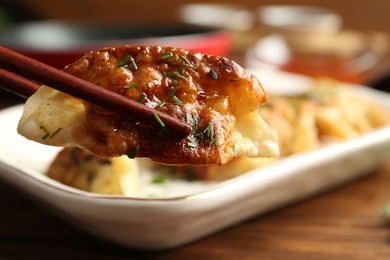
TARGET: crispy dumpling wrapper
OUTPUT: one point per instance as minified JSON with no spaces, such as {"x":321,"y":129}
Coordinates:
{"x":217,"y":97}
{"x":78,"y":168}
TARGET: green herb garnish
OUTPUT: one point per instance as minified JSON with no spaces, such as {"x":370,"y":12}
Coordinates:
{"x":191,"y":142}
{"x":177,"y":101}
{"x":190,"y":174}
{"x":185,"y":60}
{"x":133,"y":152}
{"x":209,"y":131}
{"x":182,"y":69}
{"x":195,"y":128}
{"x":177,"y":74}
{"x":159,"y":179}
{"x":56,"y":132}
{"x":214,"y":141}
{"x":47,"y":134}
{"x":234,"y":79}
{"x":91,"y":176}
{"x":174,"y":60}
{"x":133,"y":64}
{"x":123,"y":62}
{"x":173,"y":75}
{"x":132,"y":85}
{"x":161,"y":104}
{"x":188,"y":118}
{"x":172,"y":92}
{"x":166,"y":55}
{"x":158,"y":119}
{"x":104,"y":162}
{"x":387,"y":211}
{"x":169,"y":74}
{"x":141,"y":98}
{"x":213,"y":75}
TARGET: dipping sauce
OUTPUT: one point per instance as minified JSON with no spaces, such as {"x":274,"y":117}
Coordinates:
{"x":346,"y":56}
{"x":323,"y":65}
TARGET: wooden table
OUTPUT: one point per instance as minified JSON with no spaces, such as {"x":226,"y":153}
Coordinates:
{"x":346,"y":223}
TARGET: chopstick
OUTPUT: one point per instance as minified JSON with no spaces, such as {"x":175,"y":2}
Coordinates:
{"x":20,"y":86}
{"x":13,"y":63}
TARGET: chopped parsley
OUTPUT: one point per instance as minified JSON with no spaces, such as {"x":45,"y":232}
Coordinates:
{"x":234,"y":79}
{"x":133,"y":152}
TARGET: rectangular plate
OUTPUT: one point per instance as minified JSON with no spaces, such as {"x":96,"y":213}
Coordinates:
{"x":161,"y":223}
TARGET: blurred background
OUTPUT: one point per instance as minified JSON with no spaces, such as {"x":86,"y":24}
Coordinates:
{"x":360,"y":15}
{"x":345,"y":39}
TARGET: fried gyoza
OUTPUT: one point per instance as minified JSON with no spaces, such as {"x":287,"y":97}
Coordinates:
{"x":78,"y":168}
{"x":217,"y":97}
{"x":326,"y":113}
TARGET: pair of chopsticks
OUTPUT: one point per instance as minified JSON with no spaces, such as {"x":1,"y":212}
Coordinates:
{"x":20,"y":74}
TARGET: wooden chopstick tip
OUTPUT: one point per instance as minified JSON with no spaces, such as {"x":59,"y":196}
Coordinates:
{"x":77,"y":87}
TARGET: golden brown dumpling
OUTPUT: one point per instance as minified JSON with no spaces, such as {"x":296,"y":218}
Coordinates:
{"x":217,"y":97}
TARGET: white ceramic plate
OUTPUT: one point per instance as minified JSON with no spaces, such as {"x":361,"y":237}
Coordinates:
{"x":161,"y":223}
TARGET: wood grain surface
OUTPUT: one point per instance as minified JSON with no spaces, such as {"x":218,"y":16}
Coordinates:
{"x":345,"y":223}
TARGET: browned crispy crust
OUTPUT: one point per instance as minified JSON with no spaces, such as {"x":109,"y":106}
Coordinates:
{"x":72,"y":164}
{"x":197,"y":88}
